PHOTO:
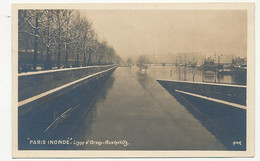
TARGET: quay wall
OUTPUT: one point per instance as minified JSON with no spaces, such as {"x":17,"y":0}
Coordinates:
{"x":34,"y":83}
{"x":230,"y":93}
{"x":226,"y":121}
{"x":45,"y":117}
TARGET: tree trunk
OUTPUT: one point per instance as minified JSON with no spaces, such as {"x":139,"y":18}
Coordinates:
{"x":59,"y":55}
{"x":85,"y":58}
{"x":35,"y":43}
{"x":59,"y":40}
{"x":66,"y":47}
{"x":78,"y":56}
{"x":89,"y":57}
{"x":48,"y":64}
{"x":66,"y":56}
{"x":48,"y":59}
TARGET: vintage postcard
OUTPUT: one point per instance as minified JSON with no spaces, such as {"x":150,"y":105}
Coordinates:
{"x":133,"y":80}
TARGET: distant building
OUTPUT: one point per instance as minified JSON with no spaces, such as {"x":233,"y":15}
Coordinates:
{"x":239,"y":61}
{"x":192,"y":58}
{"x":225,"y":59}
{"x":209,"y":61}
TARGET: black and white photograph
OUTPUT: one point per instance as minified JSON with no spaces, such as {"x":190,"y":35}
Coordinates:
{"x":134,"y":80}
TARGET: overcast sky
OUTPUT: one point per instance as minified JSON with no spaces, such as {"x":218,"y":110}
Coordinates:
{"x":133,"y":32}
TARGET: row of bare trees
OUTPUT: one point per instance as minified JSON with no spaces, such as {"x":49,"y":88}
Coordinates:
{"x":59,"y":38}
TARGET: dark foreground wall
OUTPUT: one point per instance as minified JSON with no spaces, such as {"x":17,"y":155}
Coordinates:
{"x":226,"y":122}
{"x":40,"y":119}
{"x":230,"y":93}
{"x":34,"y":83}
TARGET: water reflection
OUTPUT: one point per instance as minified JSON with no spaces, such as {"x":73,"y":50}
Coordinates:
{"x":142,"y":78}
{"x":87,"y":115}
{"x":107,"y":86}
{"x":184,"y":73}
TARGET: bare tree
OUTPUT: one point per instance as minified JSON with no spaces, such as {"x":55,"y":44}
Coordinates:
{"x":86,"y":29}
{"x":31,"y":24}
{"x":129,"y":61}
{"x":75,"y":36}
{"x":92,"y":37}
{"x":65,"y":32}
{"x":68,"y":29}
{"x":142,"y":61}
{"x":47,"y":40}
{"x":60,"y":23}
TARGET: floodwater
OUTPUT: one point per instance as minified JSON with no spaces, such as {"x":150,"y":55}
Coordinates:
{"x":184,"y":73}
{"x":134,"y":112}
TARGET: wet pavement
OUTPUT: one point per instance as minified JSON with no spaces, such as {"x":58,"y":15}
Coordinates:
{"x":134,"y":112}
